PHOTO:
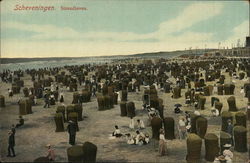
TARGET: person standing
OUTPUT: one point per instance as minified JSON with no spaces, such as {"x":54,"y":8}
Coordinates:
{"x":94,"y":91}
{"x":162,"y":143}
{"x":182,"y":128}
{"x":61,"y":98}
{"x":10,"y":92}
{"x":35,"y":100}
{"x":51,"y":153}
{"x":46,"y":100}
{"x":72,"y":132}
{"x":131,"y":123}
{"x":13,"y":129}
{"x":11,"y":144}
{"x":230,"y":129}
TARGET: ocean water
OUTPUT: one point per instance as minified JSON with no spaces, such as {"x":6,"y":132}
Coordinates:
{"x":74,"y":61}
{"x":60,"y":63}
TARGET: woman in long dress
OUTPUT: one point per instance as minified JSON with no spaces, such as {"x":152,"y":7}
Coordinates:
{"x":162,"y":143}
{"x":132,"y":123}
{"x":61,"y":98}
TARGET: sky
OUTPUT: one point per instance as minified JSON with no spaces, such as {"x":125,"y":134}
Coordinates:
{"x":112,"y":27}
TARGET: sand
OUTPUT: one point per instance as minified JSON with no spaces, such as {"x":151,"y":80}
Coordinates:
{"x":39,"y":128}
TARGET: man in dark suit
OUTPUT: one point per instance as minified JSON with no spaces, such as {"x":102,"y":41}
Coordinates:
{"x":11,"y":144}
{"x":72,"y":132}
{"x":46,"y":100}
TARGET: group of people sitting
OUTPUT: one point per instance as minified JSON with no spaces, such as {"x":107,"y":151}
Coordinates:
{"x":138,"y":139}
{"x":140,"y":124}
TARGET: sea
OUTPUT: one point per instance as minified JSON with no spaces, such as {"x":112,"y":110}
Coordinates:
{"x":57,"y":63}
{"x":19,"y":64}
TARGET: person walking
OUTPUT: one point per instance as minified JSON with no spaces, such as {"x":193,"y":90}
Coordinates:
{"x":72,"y":132}
{"x":11,"y":144}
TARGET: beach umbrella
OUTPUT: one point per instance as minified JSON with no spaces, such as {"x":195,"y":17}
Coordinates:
{"x":178,"y":105}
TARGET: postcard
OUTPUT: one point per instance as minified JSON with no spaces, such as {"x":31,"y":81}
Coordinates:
{"x":125,"y":81}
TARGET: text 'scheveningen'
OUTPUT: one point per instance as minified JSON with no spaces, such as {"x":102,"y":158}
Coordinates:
{"x":47,"y":8}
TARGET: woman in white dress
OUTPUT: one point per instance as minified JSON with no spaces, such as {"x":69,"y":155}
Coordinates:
{"x":162,"y":143}
{"x":131,"y":123}
{"x":140,"y":124}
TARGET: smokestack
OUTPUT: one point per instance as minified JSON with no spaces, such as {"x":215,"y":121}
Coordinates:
{"x":248,"y":41}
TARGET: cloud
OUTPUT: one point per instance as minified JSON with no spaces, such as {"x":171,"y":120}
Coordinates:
{"x":238,"y":32}
{"x":51,"y":40}
{"x":10,"y":5}
{"x":43,"y":31}
{"x":191,"y":15}
{"x":82,"y":48}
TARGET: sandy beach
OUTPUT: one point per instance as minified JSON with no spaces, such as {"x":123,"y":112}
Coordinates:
{"x":39,"y":128}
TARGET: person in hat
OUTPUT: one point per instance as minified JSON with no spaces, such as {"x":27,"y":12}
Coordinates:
{"x":46,"y":100}
{"x":10,"y":92}
{"x":227,"y":153}
{"x":187,"y":117}
{"x":195,"y":104}
{"x":61,"y":97}
{"x":215,"y":112}
{"x":11,"y":144}
{"x":182,"y":128}
{"x":162,"y":143}
{"x":230,"y":129}
{"x":188,"y":101}
{"x":177,"y":109}
{"x":21,"y":122}
{"x":72,"y":132}
{"x":147,"y":139}
{"x":51,"y":153}
{"x":152,"y":112}
{"x":242,"y":90}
